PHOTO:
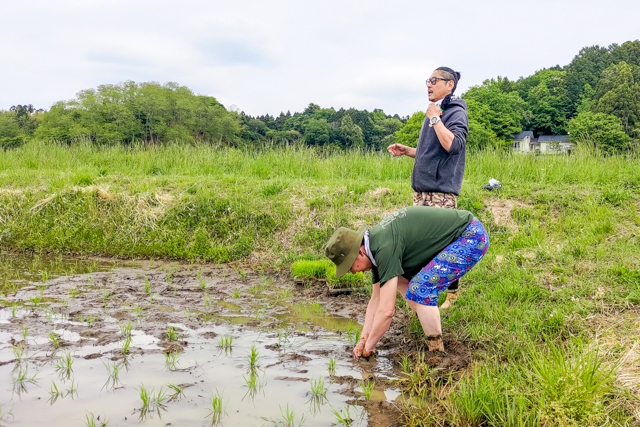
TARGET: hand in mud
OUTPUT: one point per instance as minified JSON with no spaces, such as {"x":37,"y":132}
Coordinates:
{"x":367,"y":353}
{"x":359,"y":348}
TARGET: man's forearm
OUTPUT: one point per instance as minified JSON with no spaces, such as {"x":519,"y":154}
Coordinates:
{"x":411,"y":152}
{"x":445,"y":136}
{"x":372,"y":307}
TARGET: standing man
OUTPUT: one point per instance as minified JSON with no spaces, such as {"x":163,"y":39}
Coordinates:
{"x":440,"y":155}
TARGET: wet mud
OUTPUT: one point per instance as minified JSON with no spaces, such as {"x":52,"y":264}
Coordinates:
{"x":185,"y":312}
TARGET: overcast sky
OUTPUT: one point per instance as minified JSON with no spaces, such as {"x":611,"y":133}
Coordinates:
{"x":270,"y":56}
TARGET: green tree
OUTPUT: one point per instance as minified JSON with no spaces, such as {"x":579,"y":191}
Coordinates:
{"x":350,"y":133}
{"x":410,"y":133}
{"x":618,"y":94}
{"x":501,"y":113}
{"x":600,"y":130}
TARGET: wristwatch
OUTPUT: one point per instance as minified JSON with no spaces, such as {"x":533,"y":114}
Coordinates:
{"x":434,"y":120}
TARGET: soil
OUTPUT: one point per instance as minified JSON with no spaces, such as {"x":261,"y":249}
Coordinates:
{"x":248,"y":298}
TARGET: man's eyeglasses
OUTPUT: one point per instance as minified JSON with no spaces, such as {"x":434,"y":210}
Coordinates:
{"x":434,"y":80}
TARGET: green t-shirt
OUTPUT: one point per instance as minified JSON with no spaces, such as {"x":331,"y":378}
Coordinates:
{"x":411,"y":237}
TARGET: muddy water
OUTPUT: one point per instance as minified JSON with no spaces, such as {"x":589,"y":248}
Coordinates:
{"x":186,"y":312}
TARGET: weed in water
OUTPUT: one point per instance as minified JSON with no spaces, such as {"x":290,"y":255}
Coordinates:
{"x":171,"y":360}
{"x":54,"y":340}
{"x":367,"y":389}
{"x":91,"y":421}
{"x":172,"y":334}
{"x":332,"y":366}
{"x":126,"y":328}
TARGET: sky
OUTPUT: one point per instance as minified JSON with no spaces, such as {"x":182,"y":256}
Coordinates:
{"x":271,"y":56}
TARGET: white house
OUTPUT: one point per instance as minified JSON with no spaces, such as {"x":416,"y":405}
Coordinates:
{"x":524,"y":142}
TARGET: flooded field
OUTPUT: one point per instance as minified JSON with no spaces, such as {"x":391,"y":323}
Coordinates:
{"x":86,"y":342}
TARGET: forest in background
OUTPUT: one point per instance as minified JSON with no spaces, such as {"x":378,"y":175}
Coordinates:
{"x":595,"y":98}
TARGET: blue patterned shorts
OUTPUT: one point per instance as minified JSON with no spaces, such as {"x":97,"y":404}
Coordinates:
{"x":449,"y":265}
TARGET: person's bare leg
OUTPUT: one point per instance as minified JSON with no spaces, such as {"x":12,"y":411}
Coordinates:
{"x":429,"y":318}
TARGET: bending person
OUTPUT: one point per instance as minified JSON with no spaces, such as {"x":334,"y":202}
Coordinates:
{"x":418,"y":251}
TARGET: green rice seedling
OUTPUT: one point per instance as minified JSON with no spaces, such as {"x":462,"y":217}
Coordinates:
{"x":145,"y":397}
{"x":171,"y":360}
{"x":172,"y":334}
{"x":287,"y":418}
{"x":21,"y":379}
{"x":72,"y":390}
{"x":105,"y":296}
{"x":199,"y":274}
{"x":225,"y":342}
{"x":254,"y":356}
{"x":203,"y":284}
{"x":126,"y":328}
{"x":64,"y":365}
{"x":25,"y":332}
{"x":91,"y":421}
{"x":236,"y":293}
{"x":367,"y":389}
{"x":187,"y":313}
{"x":125,"y":345}
{"x":207,"y":300}
{"x":113,"y":372}
{"x":4,"y":415}
{"x":139,"y":312}
{"x":283,"y":338}
{"x":90,"y":320}
{"x":161,"y":397}
{"x":54,"y":393}
{"x":356,"y":338}
{"x":315,"y":306}
{"x":150,"y":262}
{"x":14,"y":310}
{"x":19,"y":352}
{"x":74,"y":292}
{"x":169,"y":277}
{"x":45,"y":275}
{"x":285,"y":294}
{"x":152,"y":298}
{"x":241,"y":273}
{"x":344,"y":417}
{"x":54,"y":339}
{"x":91,"y":281}
{"x":332,"y":366}
{"x":318,"y":389}
{"x":178,"y":391}
{"x":147,"y":285}
{"x":216,"y":408}
{"x":36,"y":299}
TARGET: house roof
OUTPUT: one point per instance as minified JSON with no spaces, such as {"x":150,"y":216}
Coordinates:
{"x":522,"y":135}
{"x":554,"y":138}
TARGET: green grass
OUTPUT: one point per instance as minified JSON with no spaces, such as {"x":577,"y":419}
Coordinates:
{"x":562,"y":275}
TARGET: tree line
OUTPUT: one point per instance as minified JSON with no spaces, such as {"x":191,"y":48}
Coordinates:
{"x":595,"y":98}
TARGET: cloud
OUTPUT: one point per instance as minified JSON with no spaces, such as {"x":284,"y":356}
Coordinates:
{"x":226,"y":52}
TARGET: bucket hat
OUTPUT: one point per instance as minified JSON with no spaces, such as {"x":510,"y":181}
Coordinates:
{"x":343,"y":247}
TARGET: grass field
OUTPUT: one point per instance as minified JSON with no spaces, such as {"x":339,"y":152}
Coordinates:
{"x":551,"y":313}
